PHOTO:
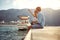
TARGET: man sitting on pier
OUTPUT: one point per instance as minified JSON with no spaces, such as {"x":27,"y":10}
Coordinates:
{"x":38,"y":20}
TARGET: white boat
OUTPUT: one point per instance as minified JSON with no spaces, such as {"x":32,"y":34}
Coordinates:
{"x":24,"y":22}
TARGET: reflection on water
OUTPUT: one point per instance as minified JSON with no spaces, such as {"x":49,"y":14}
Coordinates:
{"x":11,"y":34}
{"x":8,"y":27}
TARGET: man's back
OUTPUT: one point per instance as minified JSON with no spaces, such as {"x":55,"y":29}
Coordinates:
{"x":41,"y":19}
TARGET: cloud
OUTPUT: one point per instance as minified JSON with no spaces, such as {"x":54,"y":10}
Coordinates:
{"x":55,"y":4}
{"x":6,"y":4}
{"x":20,"y":4}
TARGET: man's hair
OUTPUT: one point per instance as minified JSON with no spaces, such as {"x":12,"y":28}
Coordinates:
{"x":38,"y":8}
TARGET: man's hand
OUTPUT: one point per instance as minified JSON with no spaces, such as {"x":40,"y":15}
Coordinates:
{"x":34,"y":22}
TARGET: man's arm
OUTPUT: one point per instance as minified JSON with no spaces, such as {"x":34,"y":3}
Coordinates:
{"x":35,"y":20}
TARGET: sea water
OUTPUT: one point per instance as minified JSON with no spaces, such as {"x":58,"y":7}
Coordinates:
{"x":8,"y":32}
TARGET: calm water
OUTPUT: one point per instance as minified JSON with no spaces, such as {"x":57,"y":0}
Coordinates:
{"x":11,"y":33}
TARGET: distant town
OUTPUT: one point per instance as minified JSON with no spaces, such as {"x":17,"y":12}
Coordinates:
{"x":23,"y":19}
{"x":11,"y":22}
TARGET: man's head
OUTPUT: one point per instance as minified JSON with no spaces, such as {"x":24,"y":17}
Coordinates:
{"x":35,"y":11}
{"x":38,"y":9}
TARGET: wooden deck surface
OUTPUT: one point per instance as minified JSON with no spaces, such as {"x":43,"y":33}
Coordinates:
{"x":48,"y":33}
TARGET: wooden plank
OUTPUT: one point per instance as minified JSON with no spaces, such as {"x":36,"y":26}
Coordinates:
{"x":48,"y":33}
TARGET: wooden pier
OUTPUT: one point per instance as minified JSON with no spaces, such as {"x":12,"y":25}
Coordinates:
{"x":48,"y":33}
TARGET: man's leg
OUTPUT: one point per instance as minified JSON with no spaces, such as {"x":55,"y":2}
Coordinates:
{"x":37,"y":26}
{"x":29,"y":28}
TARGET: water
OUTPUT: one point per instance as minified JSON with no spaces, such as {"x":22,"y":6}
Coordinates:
{"x":11,"y":33}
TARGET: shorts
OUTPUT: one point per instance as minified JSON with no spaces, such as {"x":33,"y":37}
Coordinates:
{"x":37,"y":26}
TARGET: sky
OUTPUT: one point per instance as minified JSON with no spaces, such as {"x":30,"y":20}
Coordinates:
{"x":32,"y":4}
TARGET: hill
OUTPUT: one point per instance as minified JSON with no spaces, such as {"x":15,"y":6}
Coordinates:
{"x":52,"y":17}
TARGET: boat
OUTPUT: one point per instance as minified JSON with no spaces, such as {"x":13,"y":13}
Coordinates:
{"x":24,"y":22}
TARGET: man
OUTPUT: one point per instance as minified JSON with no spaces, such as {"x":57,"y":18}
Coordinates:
{"x":38,"y":20}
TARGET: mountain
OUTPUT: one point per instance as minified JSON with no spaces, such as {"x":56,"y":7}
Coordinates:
{"x":11,"y":14}
{"x":52,"y":17}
